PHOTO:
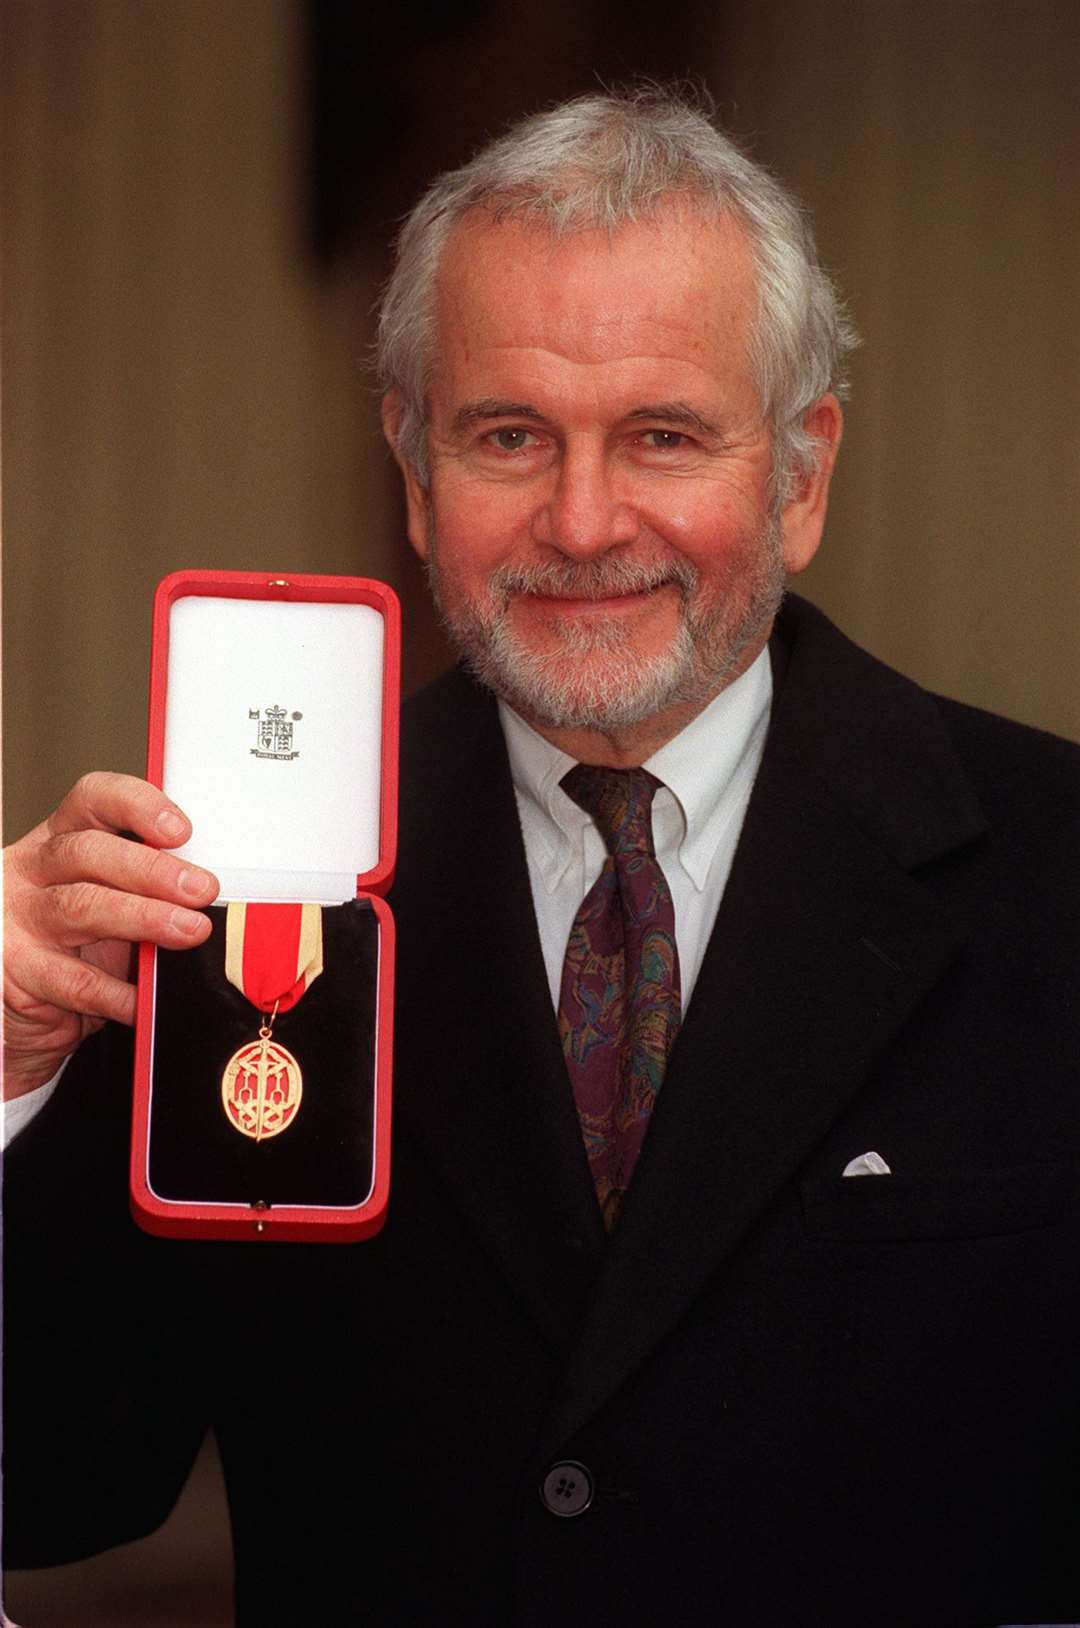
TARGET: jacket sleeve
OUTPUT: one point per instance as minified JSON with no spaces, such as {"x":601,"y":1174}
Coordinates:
{"x":104,"y":1404}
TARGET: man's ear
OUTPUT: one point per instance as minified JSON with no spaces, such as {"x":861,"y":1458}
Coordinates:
{"x":802,"y":518}
{"x":417,"y":505}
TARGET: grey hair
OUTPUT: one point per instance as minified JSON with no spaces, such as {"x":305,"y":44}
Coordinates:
{"x":603,"y":161}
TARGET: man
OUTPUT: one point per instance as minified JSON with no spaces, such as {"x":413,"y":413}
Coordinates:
{"x":772,"y":1321}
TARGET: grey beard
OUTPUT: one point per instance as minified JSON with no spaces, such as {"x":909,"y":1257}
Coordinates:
{"x":616,"y":688}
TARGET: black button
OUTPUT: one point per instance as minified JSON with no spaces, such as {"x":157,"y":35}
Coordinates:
{"x":567,"y":1489}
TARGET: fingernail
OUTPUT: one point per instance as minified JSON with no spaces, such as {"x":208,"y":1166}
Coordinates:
{"x":197,"y":883}
{"x":170,"y":823}
{"x":188,"y":922}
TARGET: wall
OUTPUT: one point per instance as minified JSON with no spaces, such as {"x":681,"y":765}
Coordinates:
{"x":938,"y":143}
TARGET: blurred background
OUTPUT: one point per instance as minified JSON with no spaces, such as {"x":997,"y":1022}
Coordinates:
{"x":198,"y":197}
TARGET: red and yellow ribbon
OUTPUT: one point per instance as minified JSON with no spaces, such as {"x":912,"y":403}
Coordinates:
{"x":273,"y":952}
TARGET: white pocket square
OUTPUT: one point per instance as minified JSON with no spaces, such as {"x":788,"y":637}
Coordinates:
{"x":867,"y":1164}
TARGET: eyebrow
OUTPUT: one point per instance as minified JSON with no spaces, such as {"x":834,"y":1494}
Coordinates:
{"x":670,"y":412}
{"x":675,"y":412}
{"x":477,"y":412}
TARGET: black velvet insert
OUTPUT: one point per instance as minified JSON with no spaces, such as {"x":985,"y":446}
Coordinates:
{"x":324,"y":1156}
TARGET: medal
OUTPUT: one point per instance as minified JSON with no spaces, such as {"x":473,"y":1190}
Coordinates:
{"x":273,"y":954}
{"x":261,"y":1088}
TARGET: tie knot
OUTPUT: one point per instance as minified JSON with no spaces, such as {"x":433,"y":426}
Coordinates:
{"x":620,"y":801}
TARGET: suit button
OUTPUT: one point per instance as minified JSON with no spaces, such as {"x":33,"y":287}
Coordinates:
{"x":567,"y":1489}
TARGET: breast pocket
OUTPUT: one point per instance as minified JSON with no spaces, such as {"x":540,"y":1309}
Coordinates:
{"x":964,"y":1296}
{"x":955,"y":1204}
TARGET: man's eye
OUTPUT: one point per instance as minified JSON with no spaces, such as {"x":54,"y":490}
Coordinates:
{"x":511,"y":440}
{"x":666,"y":440}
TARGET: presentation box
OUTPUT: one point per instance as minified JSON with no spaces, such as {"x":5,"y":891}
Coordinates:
{"x":263,"y":1057}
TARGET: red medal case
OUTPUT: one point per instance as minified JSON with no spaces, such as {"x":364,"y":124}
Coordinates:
{"x":274,"y":707}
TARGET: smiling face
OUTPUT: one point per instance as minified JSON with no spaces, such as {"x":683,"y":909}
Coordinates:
{"x":597,"y":520}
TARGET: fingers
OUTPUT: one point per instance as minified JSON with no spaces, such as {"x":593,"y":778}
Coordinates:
{"x":89,"y":886}
{"x":116,"y":862}
{"x":67,"y":984}
{"x":77,"y":913}
{"x":104,"y":801}
{"x":77,"y":895}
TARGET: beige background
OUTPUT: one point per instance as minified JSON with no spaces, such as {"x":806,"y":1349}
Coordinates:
{"x":184,"y":386}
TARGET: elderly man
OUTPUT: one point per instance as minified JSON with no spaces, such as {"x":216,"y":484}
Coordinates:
{"x":731,"y":1269}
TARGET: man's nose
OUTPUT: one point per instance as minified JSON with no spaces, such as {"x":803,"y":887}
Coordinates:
{"x":585,"y":512}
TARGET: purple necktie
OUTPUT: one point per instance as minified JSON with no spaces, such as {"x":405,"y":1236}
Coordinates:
{"x":619,"y":1004}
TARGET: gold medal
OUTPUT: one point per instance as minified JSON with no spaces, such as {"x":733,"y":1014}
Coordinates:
{"x":261,"y":1088}
{"x":273,"y":954}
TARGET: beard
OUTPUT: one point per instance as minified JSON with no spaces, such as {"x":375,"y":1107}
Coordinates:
{"x":592,"y":676}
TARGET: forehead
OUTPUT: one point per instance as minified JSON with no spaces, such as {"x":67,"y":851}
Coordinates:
{"x":677,"y":292}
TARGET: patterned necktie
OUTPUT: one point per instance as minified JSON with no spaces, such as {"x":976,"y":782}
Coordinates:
{"x":619,"y":1004}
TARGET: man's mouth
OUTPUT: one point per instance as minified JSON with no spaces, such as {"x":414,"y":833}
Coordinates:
{"x":609,"y":603}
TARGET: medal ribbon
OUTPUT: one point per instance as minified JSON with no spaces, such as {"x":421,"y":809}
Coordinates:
{"x":273,"y":952}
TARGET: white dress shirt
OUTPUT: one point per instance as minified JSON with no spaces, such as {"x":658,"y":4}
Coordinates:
{"x":708,"y":771}
{"x":17,"y":1113}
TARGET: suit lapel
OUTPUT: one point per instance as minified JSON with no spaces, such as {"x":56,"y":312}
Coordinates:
{"x":481,"y":1080}
{"x":791,"y":1010}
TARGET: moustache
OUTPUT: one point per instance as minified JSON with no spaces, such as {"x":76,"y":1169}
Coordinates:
{"x":591,"y":579}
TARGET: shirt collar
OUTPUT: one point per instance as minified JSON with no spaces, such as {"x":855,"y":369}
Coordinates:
{"x":704,"y":767}
{"x":552,"y":822}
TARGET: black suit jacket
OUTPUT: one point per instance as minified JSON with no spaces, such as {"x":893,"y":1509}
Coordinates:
{"x":803,"y":1398}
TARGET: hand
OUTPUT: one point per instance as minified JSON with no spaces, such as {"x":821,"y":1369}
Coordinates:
{"x":77,"y":896}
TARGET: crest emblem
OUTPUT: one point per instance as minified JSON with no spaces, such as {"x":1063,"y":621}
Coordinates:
{"x":274,"y":732}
